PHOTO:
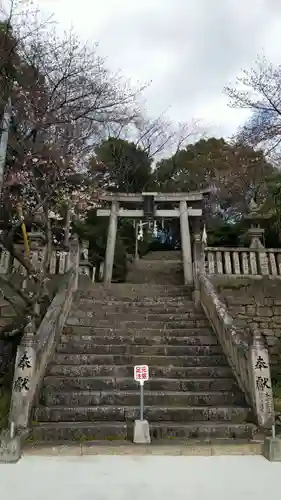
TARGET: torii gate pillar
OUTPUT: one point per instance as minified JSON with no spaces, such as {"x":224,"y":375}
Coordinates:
{"x":111,"y":240}
{"x":186,"y":244}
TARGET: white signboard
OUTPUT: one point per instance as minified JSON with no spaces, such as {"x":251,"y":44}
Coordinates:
{"x":141,"y":373}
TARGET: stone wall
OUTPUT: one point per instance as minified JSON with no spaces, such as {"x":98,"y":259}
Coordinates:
{"x":256,"y":303}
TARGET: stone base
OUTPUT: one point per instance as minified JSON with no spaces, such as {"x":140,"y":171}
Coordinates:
{"x":10,"y":448}
{"x":272,"y":449}
{"x":141,"y":432}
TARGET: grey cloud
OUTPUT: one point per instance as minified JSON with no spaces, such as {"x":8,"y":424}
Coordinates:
{"x":202,"y":44}
{"x":188,"y":48}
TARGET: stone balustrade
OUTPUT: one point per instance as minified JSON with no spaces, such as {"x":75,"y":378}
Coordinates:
{"x":221,"y":261}
{"x":59,"y":264}
{"x":243,"y":261}
{"x":36,"y":348}
{"x":246,"y":353}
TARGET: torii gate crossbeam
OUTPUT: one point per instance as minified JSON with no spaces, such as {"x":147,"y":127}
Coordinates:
{"x":183,"y":212}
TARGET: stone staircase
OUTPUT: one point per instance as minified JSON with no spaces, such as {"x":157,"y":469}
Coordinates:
{"x":164,"y":268}
{"x":89,"y":392}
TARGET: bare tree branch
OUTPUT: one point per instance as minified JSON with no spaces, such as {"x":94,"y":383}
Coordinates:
{"x":258,"y":90}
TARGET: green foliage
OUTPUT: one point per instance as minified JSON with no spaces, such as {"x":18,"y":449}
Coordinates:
{"x":94,"y":230}
{"x":235,"y":172}
{"x":193,"y":167}
{"x":272,"y":204}
{"x":121,"y":166}
{"x":225,"y":235}
{"x":126,"y":232}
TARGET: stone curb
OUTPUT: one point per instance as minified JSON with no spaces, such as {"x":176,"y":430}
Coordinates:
{"x":170,"y":450}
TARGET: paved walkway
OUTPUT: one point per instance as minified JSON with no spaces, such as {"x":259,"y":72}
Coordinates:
{"x":140,"y":478}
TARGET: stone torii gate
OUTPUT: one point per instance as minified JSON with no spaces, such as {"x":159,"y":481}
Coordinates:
{"x":187,"y":205}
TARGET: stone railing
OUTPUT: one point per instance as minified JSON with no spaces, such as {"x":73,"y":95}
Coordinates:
{"x":36,"y":349}
{"x":59,"y":264}
{"x":243,"y":261}
{"x":58,"y":261}
{"x":246,"y":353}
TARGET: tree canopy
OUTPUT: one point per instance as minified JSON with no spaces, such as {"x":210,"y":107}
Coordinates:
{"x":119,"y":165}
{"x":235,"y":173}
{"x":258,"y":90}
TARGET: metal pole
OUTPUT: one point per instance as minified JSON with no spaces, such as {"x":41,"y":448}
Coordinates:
{"x":4,"y":140}
{"x":141,"y":399}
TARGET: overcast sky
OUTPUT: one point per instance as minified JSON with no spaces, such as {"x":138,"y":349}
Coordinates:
{"x":189,"y":49}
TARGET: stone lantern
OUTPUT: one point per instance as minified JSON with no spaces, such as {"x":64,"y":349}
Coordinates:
{"x":256,"y":219}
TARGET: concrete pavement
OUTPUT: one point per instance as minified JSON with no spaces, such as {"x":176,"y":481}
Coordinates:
{"x":103,"y":477}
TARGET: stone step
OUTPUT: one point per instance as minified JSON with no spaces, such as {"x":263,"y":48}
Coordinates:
{"x":160,"y":260}
{"x":112,"y":359}
{"x":193,"y":372}
{"x":91,"y":383}
{"x":144,"y":340}
{"x":114,"y":321}
{"x":163,"y":255}
{"x":141,"y":316}
{"x":138,"y":302}
{"x":153,"y":276}
{"x":89,"y":347}
{"x":165,"y":265}
{"x":156,"y":272}
{"x":177,"y":307}
{"x":167,"y":260}
{"x":127,"y":295}
{"x":132,"y":398}
{"x":69,"y":432}
{"x":236,"y":414}
{"x":135,"y":332}
{"x":202,"y":430}
{"x":129,"y":291}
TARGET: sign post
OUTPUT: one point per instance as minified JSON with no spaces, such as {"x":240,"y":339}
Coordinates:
{"x":141,"y":399}
{"x":141,"y":375}
{"x":141,"y":427}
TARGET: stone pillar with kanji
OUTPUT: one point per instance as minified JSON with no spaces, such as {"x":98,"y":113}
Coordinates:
{"x":261,"y":381}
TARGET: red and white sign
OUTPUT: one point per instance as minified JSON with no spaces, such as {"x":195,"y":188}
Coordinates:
{"x":141,"y":373}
